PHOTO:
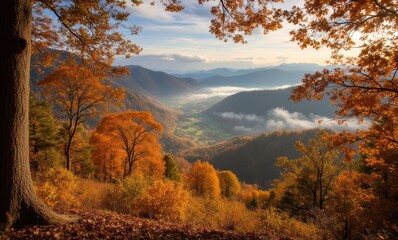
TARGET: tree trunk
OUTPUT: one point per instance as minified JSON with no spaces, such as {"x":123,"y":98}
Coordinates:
{"x":68,"y":146}
{"x":19,"y":204}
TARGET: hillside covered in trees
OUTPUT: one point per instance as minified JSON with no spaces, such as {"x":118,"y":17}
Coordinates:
{"x":253,"y":159}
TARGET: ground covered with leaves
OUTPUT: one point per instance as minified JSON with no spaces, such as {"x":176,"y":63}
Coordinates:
{"x":107,"y":225}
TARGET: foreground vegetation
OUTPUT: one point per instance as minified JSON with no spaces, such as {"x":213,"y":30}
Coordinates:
{"x":319,"y":195}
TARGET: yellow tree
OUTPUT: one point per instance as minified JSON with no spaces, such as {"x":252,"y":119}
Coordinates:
{"x":203,"y":179}
{"x":229,"y":184}
{"x":310,"y":177}
{"x":79,"y":95}
{"x":137,"y":134}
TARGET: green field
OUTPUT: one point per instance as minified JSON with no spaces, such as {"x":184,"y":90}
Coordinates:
{"x":196,"y":125}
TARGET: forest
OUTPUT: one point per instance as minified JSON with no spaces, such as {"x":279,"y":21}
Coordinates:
{"x":87,"y":154}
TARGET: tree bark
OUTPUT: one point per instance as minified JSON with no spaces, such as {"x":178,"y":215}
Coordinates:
{"x":19,"y":204}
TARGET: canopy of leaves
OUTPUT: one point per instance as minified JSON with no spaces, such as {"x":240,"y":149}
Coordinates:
{"x":128,"y":141}
{"x":203,"y":179}
{"x":309,"y":179}
{"x":229,"y":183}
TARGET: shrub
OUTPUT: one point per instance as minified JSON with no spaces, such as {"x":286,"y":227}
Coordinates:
{"x":221,"y":214}
{"x":276,"y":223}
{"x":122,"y":195}
{"x":91,"y":193}
{"x":57,"y":188}
{"x":164,"y":200}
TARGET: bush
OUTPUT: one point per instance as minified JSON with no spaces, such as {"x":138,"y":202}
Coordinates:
{"x":164,"y":200}
{"x":278,"y":224}
{"x":57,"y":188}
{"x":92,"y":194}
{"x":222,"y":214}
{"x":121,"y":197}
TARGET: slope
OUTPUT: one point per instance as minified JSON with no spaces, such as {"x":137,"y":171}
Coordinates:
{"x":253,"y":158}
{"x":156,"y":83}
{"x":261,"y":101}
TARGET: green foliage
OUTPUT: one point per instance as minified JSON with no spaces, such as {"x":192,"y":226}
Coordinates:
{"x":44,"y":136}
{"x":122,"y":195}
{"x":309,"y":179}
{"x":171,"y":169}
{"x":229,"y":184}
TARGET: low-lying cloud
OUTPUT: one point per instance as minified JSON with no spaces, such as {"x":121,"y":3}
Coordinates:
{"x":281,"y":119}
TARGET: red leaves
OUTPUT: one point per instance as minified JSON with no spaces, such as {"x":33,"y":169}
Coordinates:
{"x":100,"y":225}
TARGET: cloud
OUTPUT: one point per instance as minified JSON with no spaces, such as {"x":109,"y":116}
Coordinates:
{"x":281,"y":119}
{"x":241,"y":117}
{"x":281,"y":58}
{"x":171,"y":58}
{"x":206,"y":93}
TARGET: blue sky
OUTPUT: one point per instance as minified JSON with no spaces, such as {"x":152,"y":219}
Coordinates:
{"x":178,"y":42}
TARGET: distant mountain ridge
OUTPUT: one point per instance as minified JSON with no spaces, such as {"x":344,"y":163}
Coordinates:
{"x":252,"y":112}
{"x":260,"y":101}
{"x":264,"y":78}
{"x":156,"y":83}
{"x":229,"y":72}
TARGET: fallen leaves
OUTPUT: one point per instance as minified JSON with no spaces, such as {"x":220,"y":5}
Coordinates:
{"x":108,"y":225}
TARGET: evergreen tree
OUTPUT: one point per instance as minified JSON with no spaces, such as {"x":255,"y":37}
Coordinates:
{"x":44,"y":136}
{"x":171,"y":169}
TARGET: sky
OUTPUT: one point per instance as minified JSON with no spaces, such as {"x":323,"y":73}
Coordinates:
{"x":181,"y":42}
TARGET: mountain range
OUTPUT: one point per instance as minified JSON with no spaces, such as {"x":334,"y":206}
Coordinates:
{"x":230,"y":72}
{"x":156,"y":83}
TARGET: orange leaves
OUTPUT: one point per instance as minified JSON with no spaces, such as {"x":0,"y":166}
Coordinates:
{"x":203,"y":179}
{"x":234,"y":19}
{"x":75,"y":89}
{"x":130,"y":139}
{"x":88,"y":29}
{"x":164,"y":200}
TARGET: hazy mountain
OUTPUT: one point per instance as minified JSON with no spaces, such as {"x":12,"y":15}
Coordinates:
{"x":156,"y":83}
{"x":253,"y":112}
{"x":225,"y":72}
{"x":229,"y":72}
{"x":253,"y":158}
{"x":262,"y":78}
{"x":260,"y":101}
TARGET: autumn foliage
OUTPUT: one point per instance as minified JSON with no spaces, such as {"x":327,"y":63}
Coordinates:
{"x":203,"y":179}
{"x":80,"y":95}
{"x":128,"y":141}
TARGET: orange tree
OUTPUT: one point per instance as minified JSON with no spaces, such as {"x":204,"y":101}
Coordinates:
{"x":136,"y":134}
{"x":80,"y":95}
{"x":203,"y":180}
